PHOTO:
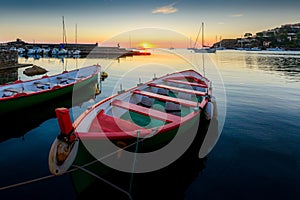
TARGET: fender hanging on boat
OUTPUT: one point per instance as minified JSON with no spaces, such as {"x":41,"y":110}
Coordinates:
{"x":209,"y":111}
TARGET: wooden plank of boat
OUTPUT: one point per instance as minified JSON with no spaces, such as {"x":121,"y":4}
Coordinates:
{"x":192,"y":78}
{"x":185,"y":82}
{"x":146,"y":111}
{"x":167,"y":98}
{"x":199,"y":93}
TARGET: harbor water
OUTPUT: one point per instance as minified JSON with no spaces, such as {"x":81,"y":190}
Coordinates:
{"x":256,"y":156}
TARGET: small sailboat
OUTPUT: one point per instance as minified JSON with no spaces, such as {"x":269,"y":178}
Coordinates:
{"x":62,"y":50}
{"x":203,"y":49}
{"x":76,"y":51}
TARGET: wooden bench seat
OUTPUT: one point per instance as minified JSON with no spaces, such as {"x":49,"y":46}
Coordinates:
{"x":166,"y":98}
{"x":188,"y":77}
{"x":184,"y":82}
{"x":166,"y":117}
{"x":198,"y":93}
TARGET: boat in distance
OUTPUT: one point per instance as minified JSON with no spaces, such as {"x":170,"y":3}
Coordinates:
{"x":204,"y":50}
{"x":142,"y":119}
{"x":23,"y":94}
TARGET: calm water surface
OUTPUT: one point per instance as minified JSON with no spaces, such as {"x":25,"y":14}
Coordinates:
{"x":256,"y":157}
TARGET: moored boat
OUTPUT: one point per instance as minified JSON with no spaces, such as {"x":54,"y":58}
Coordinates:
{"x":24,"y":94}
{"x":160,"y":119}
{"x":205,"y":50}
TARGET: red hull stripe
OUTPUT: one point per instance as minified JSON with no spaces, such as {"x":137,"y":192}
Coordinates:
{"x":167,"y":98}
{"x":184,"y":82}
{"x":178,"y":89}
{"x":146,"y":111}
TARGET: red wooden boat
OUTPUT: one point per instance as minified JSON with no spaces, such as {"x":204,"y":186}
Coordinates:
{"x":143,"y":119}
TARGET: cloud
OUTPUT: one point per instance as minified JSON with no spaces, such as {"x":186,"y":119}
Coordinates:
{"x":165,"y":9}
{"x":236,"y":15}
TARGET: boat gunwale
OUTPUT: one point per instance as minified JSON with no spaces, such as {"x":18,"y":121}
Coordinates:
{"x":54,"y":88}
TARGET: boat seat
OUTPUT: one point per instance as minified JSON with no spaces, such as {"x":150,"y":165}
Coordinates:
{"x":166,"y":98}
{"x":188,"y":77}
{"x":184,"y":82}
{"x":173,"y":108}
{"x":177,"y":89}
{"x":146,"y":111}
{"x":107,"y":123}
{"x":146,"y":102}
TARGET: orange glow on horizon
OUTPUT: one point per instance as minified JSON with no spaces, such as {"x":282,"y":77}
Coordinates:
{"x":145,"y":45}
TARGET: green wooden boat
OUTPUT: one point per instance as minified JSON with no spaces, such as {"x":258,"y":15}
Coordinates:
{"x":25,"y":94}
{"x":139,"y":130}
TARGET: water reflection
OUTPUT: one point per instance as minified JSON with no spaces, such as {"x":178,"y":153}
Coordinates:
{"x":17,"y":124}
{"x":285,"y":65}
{"x":168,"y":183}
{"x":8,"y":75}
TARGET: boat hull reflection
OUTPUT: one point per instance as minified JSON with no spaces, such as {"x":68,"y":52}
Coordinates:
{"x":17,"y":124}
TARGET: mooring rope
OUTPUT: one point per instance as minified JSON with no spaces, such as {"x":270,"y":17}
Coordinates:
{"x":27,"y":182}
{"x":68,"y":171}
{"x":104,"y":180}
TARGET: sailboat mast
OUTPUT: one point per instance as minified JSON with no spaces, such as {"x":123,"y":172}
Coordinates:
{"x":197,"y":37}
{"x":76,"y":35}
{"x":202,"y":33}
{"x":64,"y":31}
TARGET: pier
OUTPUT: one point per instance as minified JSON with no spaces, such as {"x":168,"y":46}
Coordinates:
{"x":91,"y":50}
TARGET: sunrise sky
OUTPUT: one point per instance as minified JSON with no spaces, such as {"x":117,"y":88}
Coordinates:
{"x":100,"y":20}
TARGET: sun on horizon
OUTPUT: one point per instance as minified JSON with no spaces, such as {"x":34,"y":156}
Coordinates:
{"x":146,"y":45}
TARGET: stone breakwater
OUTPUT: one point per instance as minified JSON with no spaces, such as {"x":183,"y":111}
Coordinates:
{"x":8,"y":58}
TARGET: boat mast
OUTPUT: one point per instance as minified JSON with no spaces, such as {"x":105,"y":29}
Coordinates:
{"x":76,"y":36}
{"x":202,"y":34}
{"x":198,"y":37}
{"x":64,"y":31}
